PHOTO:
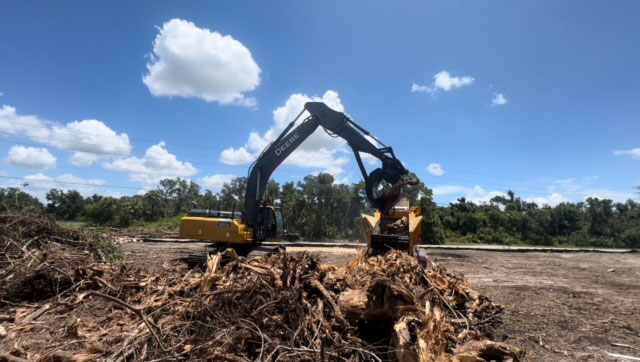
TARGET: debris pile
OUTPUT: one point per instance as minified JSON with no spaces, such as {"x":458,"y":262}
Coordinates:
{"x":398,"y":227}
{"x":39,"y":259}
{"x":278,"y":307}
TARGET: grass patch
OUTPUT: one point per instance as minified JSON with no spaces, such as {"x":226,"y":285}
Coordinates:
{"x":75,"y":225}
{"x":105,"y":246}
{"x":168,"y":223}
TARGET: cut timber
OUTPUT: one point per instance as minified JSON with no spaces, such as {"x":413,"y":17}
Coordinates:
{"x":33,"y":316}
{"x":405,"y":348}
{"x":353,"y":303}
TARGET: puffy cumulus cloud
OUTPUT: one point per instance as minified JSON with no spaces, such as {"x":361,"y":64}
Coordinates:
{"x":634,"y":152}
{"x":215,"y":182}
{"x":23,"y":125}
{"x":435,"y":169}
{"x":616,"y":196}
{"x":39,"y":184}
{"x":551,"y":200}
{"x":479,"y":195}
{"x":239,"y":156}
{"x":156,"y":164}
{"x":89,"y":140}
{"x":188,"y":61}
{"x":443,"y":81}
{"x":319,"y":151}
{"x":475,"y":194}
{"x":31,"y":157}
{"x":498,"y":100}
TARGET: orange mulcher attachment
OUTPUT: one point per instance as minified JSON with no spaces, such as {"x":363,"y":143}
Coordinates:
{"x":399,"y":227}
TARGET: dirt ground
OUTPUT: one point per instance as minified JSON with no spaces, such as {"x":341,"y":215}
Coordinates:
{"x":559,"y":306}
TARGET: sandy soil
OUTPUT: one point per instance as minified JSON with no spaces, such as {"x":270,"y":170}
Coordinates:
{"x":559,"y":306}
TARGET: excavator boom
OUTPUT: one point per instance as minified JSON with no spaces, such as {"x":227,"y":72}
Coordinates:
{"x":337,"y":124}
{"x":261,"y":222}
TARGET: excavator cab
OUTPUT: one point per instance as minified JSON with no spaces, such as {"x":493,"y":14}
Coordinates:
{"x":271,"y":223}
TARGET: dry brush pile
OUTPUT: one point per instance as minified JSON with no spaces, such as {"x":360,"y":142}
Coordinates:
{"x":280,"y":307}
{"x":39,"y":259}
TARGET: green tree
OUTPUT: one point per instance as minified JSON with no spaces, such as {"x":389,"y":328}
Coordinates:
{"x":232,"y":194}
{"x":65,"y":205}
{"x":208,"y":200}
{"x":600,"y":213}
{"x":155,"y":205}
{"x":13,"y":198}
{"x":179,"y":193}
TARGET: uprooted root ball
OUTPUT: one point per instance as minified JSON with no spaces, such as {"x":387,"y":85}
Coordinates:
{"x":385,"y":307}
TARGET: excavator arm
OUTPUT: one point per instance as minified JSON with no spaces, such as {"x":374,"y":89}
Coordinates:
{"x":336,"y":124}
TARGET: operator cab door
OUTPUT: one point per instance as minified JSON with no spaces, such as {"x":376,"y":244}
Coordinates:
{"x":272,"y":223}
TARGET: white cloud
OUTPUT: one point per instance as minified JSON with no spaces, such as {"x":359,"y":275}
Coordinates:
{"x":616,"y":196}
{"x":449,"y":189}
{"x":189,"y":61}
{"x":31,"y":157}
{"x":215,"y":182}
{"x":157,"y":164}
{"x":238,"y":156}
{"x":71,"y":179}
{"x":478,"y":195}
{"x":319,"y":151}
{"x":419,"y":88}
{"x":551,"y":200}
{"x":90,"y":140}
{"x":498,"y":100}
{"x":443,"y":81}
{"x":582,"y":189}
{"x":557,"y":191}
{"x":39,"y":184}
{"x":635,"y":153}
{"x":435,"y":169}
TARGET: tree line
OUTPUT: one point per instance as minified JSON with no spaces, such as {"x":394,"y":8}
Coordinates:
{"x":316,"y":208}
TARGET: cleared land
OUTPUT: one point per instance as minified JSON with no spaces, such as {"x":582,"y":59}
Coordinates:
{"x":559,"y":306}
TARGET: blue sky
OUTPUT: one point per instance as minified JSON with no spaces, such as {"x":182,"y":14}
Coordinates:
{"x":541,"y":97}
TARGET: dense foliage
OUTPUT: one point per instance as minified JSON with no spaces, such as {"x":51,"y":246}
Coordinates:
{"x":509,"y":220}
{"x":317,"y":208}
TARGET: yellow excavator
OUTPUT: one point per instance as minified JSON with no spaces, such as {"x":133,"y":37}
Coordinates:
{"x":394,"y":224}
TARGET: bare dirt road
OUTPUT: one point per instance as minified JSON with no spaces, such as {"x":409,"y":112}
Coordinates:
{"x":558,"y":306}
